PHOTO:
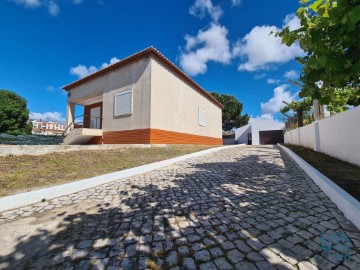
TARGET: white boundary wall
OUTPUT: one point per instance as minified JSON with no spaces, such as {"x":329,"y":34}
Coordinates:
{"x":337,"y":136}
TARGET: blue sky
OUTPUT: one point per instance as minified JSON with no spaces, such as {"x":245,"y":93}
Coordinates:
{"x":224,"y":46}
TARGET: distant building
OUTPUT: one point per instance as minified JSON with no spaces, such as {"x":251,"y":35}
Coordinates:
{"x":47,"y":128}
{"x":260,"y":131}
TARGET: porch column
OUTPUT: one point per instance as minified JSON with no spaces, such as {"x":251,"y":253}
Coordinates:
{"x":70,"y":114}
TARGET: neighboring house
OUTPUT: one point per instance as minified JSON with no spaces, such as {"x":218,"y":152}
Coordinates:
{"x":142,"y":99}
{"x":260,"y":131}
{"x":47,"y":128}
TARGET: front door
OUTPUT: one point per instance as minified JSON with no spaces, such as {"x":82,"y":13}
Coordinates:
{"x":95,"y":117}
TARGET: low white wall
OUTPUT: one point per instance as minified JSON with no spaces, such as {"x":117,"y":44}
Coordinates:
{"x":337,"y":136}
{"x":36,"y":150}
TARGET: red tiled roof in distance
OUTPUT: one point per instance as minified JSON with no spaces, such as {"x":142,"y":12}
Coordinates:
{"x":151,"y":51}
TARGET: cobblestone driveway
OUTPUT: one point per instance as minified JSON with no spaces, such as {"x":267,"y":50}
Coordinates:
{"x":241,"y":208}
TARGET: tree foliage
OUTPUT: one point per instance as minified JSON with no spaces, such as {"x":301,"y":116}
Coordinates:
{"x":14,"y":115}
{"x":231,"y":115}
{"x":329,"y":35}
{"x":296,"y":105}
{"x":302,"y":109}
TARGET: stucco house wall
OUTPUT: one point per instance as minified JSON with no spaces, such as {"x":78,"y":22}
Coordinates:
{"x":165,"y":103}
{"x":175,"y":105}
{"x":135,"y":76}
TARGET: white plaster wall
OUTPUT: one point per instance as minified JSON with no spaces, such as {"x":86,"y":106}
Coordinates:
{"x":241,"y":134}
{"x":306,"y":135}
{"x":262,"y":125}
{"x":337,"y":136}
{"x":175,"y":105}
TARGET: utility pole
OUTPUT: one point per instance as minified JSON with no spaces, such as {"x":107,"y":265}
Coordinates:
{"x":318,"y":108}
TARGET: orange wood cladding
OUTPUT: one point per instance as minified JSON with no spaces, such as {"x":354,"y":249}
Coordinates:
{"x":95,"y":140}
{"x":156,"y":136}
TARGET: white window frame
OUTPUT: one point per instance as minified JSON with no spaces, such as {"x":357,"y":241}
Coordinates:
{"x":199,"y":119}
{"x":131,"y":103}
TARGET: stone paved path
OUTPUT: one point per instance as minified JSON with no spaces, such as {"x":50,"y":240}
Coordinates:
{"x":242,"y":208}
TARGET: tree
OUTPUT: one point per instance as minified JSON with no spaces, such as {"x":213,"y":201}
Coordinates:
{"x":231,"y":115}
{"x":14,"y":115}
{"x":301,"y":107}
{"x":329,"y":35}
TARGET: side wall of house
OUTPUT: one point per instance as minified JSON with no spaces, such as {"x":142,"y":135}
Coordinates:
{"x":175,"y":110}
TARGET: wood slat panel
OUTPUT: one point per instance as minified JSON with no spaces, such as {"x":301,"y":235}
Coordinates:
{"x":156,"y":136}
{"x":95,"y":140}
{"x":137,"y":136}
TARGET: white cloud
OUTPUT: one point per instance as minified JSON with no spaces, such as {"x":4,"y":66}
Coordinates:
{"x":53,"y":8}
{"x":113,"y":60}
{"x":28,"y":3}
{"x":82,"y":71}
{"x":291,"y":74}
{"x":201,"y":7}
{"x":47,"y":116}
{"x":260,"y":76}
{"x":212,"y":45}
{"x":276,"y":102}
{"x":266,"y":116}
{"x":292,"y":21}
{"x":273,"y":81}
{"x":260,"y":47}
{"x":51,"y":5}
{"x":236,"y":2}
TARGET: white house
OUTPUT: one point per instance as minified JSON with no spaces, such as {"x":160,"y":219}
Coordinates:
{"x":260,"y":131}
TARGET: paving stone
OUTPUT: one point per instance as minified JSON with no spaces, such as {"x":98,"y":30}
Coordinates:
{"x":172,"y":258}
{"x":208,"y":266}
{"x":85,"y":244}
{"x":222,"y":264}
{"x":216,"y":252}
{"x":189,"y":264}
{"x":202,"y":255}
{"x":184,"y":250}
{"x":307,"y":266}
{"x":255,"y":244}
{"x":242,"y":246}
{"x":254,"y":256}
{"x":235,"y":256}
{"x":246,"y":265}
{"x":228,"y":245}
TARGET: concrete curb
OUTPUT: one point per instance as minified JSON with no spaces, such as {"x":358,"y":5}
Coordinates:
{"x":343,"y":200}
{"x":31,"y":197}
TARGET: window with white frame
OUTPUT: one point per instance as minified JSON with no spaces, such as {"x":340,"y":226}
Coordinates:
{"x":123,"y":103}
{"x":201,"y":118}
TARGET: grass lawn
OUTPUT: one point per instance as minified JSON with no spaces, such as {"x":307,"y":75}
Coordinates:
{"x":345,"y":175}
{"x":24,"y":173}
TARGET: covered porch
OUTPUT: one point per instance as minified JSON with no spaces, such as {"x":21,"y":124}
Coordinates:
{"x":84,"y":120}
